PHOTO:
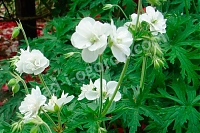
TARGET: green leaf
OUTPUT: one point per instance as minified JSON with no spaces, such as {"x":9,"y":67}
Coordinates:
{"x":187,"y":67}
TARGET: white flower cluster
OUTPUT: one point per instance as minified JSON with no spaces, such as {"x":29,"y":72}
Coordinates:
{"x":32,"y":62}
{"x":154,"y":18}
{"x":92,"y":91}
{"x":92,"y":37}
{"x":35,"y":101}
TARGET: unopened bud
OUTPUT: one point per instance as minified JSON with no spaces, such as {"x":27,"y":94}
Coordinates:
{"x":12,"y":82}
{"x":158,"y":63}
{"x":34,"y":129}
{"x":69,"y":54}
{"x":15,"y":32}
{"x":56,"y":108}
{"x":15,"y":88}
{"x":107,"y":6}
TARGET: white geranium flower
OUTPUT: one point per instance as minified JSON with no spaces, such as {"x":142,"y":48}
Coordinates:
{"x":91,"y":36}
{"x":64,"y":99}
{"x":88,"y":92}
{"x":32,"y":62}
{"x":32,"y":103}
{"x":121,"y":40}
{"x":108,"y":89}
{"x":134,"y":20}
{"x":155,"y":19}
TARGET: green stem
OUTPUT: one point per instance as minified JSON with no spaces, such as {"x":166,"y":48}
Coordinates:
{"x":59,"y":121}
{"x":48,"y":117}
{"x":121,"y":11}
{"x":142,"y":79}
{"x":101,"y":81}
{"x":195,"y":7}
{"x":47,"y":127}
{"x":117,"y":87}
{"x":44,"y":84}
{"x":124,"y":68}
{"x":15,"y":75}
{"x":138,"y":13}
{"x":23,"y":32}
{"x":186,"y":8}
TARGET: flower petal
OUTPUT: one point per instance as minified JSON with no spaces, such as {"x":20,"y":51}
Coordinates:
{"x":89,"y":56}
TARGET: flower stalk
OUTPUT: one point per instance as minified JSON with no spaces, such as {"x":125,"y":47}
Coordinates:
{"x":47,"y":127}
{"x":48,"y":117}
{"x":59,"y":121}
{"x":186,"y":7}
{"x":14,"y":74}
{"x":117,"y":87}
{"x":23,"y":32}
{"x":44,"y":84}
{"x":101,"y":82}
{"x":121,"y":11}
{"x":142,"y":79}
{"x":124,"y":68}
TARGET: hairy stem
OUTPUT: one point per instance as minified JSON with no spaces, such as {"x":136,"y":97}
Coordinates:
{"x":44,"y":84}
{"x":47,"y":127}
{"x":48,"y":117}
{"x":23,"y":32}
{"x":186,"y":7}
{"x":101,"y":80}
{"x":117,"y":87}
{"x":14,"y":74}
{"x":121,"y":11}
{"x":142,"y":79}
{"x":124,"y":68}
{"x":59,"y":121}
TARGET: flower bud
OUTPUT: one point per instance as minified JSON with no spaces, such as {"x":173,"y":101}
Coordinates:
{"x":12,"y":82}
{"x":107,"y":6}
{"x":158,"y":63}
{"x":15,"y":32}
{"x":156,"y":50}
{"x":69,"y":54}
{"x":34,"y":129}
{"x":56,"y":108}
{"x":15,"y":88}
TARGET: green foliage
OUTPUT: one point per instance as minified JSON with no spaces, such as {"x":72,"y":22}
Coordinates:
{"x":170,"y":99}
{"x":183,"y":45}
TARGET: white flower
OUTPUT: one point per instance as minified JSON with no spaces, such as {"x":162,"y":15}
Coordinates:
{"x":92,"y":91}
{"x":64,"y":99}
{"x":32,"y":62}
{"x":91,"y":36}
{"x":108,"y":89}
{"x":121,"y":39}
{"x":134,"y":20}
{"x":88,"y":92}
{"x":32,"y":103}
{"x":155,"y":19}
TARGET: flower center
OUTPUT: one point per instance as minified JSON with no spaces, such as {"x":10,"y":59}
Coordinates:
{"x":33,"y":108}
{"x":93,"y":39}
{"x":154,"y":21}
{"x":119,"y":40}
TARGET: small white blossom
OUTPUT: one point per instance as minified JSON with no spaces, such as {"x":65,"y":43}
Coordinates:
{"x":134,"y":20}
{"x":92,"y":91}
{"x":155,"y":19}
{"x":108,"y":89}
{"x":64,"y":99}
{"x":32,"y":103}
{"x":121,"y":40}
{"x":33,"y":62}
{"x":88,"y":92}
{"x":91,"y":37}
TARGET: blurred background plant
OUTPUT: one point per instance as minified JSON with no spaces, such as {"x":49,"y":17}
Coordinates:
{"x":170,"y":102}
